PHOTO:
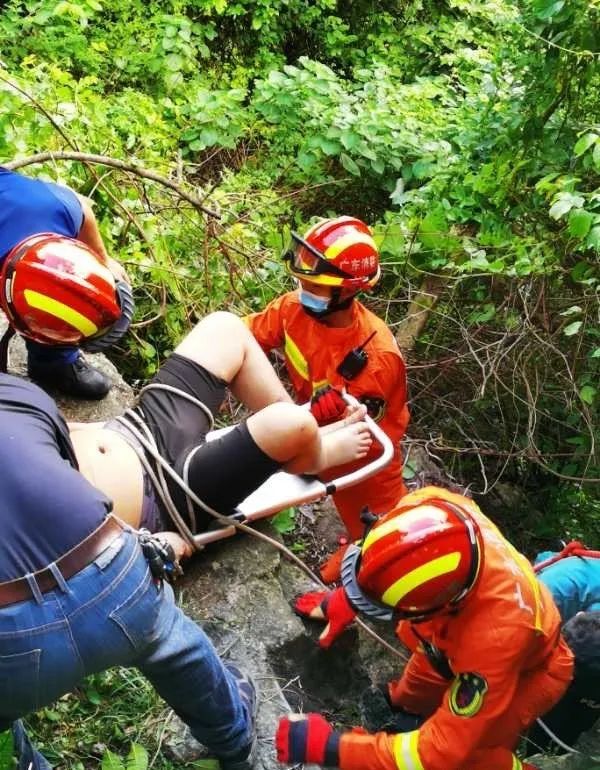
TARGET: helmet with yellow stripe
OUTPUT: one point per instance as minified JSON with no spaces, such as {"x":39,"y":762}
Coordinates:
{"x":56,"y":291}
{"x":420,"y":559}
{"x":336,"y":252}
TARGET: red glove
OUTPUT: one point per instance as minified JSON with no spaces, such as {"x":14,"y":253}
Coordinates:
{"x":327,"y":405}
{"x":331,"y":606}
{"x":307,"y":738}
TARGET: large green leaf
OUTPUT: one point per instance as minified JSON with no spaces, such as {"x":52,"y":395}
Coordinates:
{"x":284,"y":521}
{"x":584,"y":144}
{"x":580,"y":222}
{"x":112,"y":761}
{"x":349,"y":164}
{"x":137,"y":759}
{"x":588,"y":394}
{"x":572,"y":328}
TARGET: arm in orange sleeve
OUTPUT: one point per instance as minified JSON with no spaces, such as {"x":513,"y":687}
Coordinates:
{"x":465,"y":717}
{"x":420,"y":689}
{"x":267,"y":326}
{"x":389,"y":376}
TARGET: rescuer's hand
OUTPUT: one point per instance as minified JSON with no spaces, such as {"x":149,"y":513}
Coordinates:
{"x":307,"y":738}
{"x":330,"y":606}
{"x":327,"y":405}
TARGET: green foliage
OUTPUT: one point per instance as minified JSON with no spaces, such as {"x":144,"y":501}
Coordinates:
{"x":466,"y":132}
{"x":137,"y":759}
{"x":7,"y":761}
{"x":113,"y":721}
{"x":284,"y":521}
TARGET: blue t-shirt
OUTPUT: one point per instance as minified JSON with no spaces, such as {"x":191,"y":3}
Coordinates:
{"x":29,"y":206}
{"x":574,"y":583}
{"x":47,"y":506}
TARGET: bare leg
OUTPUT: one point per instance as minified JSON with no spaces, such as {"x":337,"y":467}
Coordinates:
{"x":223,"y":344}
{"x":290,"y":435}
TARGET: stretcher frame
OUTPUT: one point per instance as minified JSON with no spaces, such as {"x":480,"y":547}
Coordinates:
{"x":283,"y":490}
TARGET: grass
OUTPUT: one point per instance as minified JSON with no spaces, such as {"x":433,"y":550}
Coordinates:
{"x":108,"y":713}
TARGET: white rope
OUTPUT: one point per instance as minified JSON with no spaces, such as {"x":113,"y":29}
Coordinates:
{"x":555,"y":738}
{"x":182,"y":394}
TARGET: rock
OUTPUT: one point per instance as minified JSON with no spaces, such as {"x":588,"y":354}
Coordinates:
{"x":588,"y":757}
{"x":245,"y":607}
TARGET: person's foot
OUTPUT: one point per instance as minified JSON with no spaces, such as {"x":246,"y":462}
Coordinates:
{"x":351,"y":442}
{"x":244,"y":759}
{"x":79,"y":378}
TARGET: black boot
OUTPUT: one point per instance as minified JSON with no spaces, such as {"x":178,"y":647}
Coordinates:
{"x":78,"y":379}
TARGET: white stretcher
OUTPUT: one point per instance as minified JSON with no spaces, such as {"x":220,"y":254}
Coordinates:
{"x":283,"y":490}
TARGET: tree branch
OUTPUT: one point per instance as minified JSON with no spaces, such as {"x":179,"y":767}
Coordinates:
{"x":105,"y":160}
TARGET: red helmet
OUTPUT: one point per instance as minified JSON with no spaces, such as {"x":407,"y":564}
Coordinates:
{"x":415,"y":561}
{"x":56,"y":291}
{"x":336,"y":252}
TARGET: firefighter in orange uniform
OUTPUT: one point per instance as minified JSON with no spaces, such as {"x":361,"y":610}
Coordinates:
{"x":331,"y":341}
{"x":487,"y":654}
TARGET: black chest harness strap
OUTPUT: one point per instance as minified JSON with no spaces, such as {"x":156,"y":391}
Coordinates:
{"x":438,"y":660}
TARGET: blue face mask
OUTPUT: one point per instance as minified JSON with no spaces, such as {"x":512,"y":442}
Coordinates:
{"x":313,"y":301}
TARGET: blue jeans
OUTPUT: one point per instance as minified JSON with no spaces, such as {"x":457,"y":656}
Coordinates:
{"x":112,"y":614}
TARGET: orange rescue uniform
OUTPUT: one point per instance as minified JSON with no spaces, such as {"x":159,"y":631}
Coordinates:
{"x":506,"y":665}
{"x":312,"y":352}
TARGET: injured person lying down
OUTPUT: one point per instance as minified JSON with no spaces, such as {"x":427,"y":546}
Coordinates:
{"x":131,"y":458}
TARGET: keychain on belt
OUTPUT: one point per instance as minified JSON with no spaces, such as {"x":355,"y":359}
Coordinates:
{"x":160,"y":556}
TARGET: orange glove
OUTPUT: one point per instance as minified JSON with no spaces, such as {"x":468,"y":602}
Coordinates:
{"x":331,"y":606}
{"x":327,"y":405}
{"x":307,"y":738}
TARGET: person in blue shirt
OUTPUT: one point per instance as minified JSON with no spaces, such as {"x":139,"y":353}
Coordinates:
{"x":574,"y":582}
{"x":29,"y":206}
{"x":575,"y":585}
{"x":77,"y":595}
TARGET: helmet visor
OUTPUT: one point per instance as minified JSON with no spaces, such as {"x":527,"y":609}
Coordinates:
{"x":306,"y":260}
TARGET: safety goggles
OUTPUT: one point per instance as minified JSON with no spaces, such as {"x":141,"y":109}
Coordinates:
{"x":312,"y":261}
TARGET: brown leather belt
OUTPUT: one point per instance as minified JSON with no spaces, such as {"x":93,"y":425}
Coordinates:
{"x":69,"y":564}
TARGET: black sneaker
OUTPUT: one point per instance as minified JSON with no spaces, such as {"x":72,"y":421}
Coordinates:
{"x":245,"y":759}
{"x":78,"y":379}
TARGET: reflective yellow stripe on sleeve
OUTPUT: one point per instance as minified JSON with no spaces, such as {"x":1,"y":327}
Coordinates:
{"x":406,"y":754}
{"x":295,"y":357}
{"x":517,"y":764}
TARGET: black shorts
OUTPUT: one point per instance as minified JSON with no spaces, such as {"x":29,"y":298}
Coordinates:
{"x":222,"y":472}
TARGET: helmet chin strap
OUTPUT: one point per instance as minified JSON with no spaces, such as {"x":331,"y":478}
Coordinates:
{"x":333,"y":306}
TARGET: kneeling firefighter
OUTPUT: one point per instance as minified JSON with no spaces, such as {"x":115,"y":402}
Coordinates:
{"x":487,"y":654}
{"x":57,"y":294}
